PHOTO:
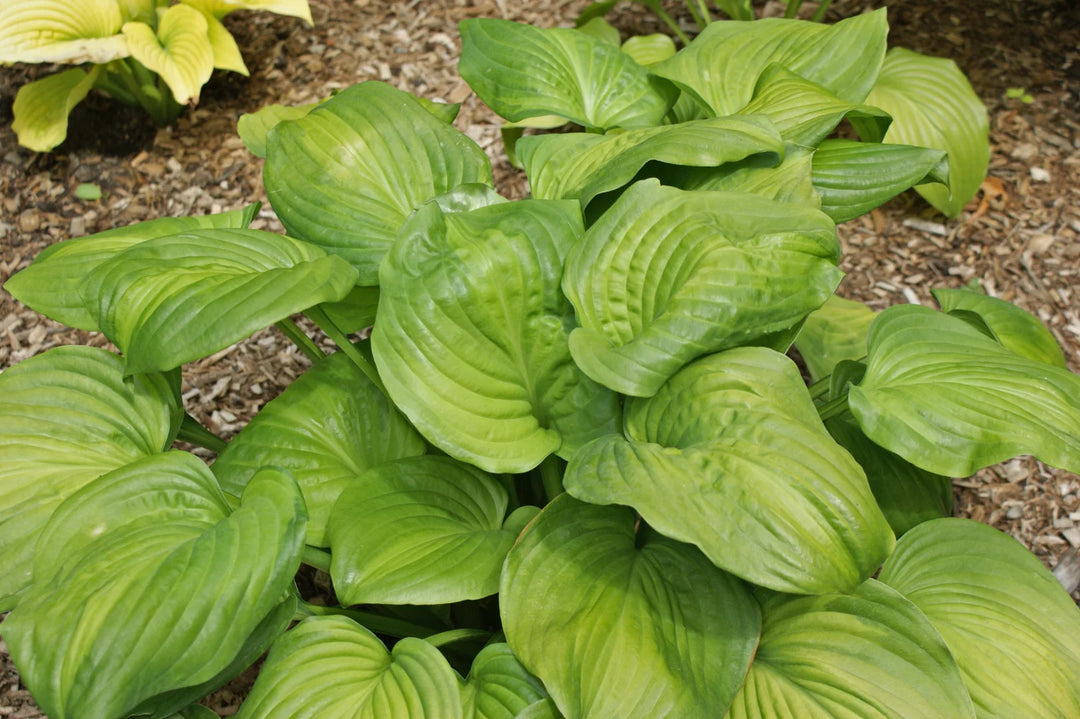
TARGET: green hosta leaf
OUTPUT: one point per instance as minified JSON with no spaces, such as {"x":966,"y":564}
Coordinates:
{"x":253,"y":127}
{"x":522,"y":71}
{"x":730,"y":455}
{"x":72,"y":31}
{"x":722,"y":65}
{"x":855,"y":177}
{"x":620,"y":621}
{"x":67,"y":417}
{"x":148,"y":594}
{"x":933,"y":105}
{"x":834,"y":332}
{"x":1005,"y":618}
{"x":600,"y":28}
{"x":951,"y":400}
{"x":180,"y":51}
{"x":666,"y":276}
{"x":790,"y":181}
{"x":174,"y":299}
{"x":870,"y":654}
{"x":42,"y":107}
{"x":498,"y":687}
{"x":1015,"y":329}
{"x":356,"y":312}
{"x":581,"y":166}
{"x":347,"y":175}
{"x":543,"y":709}
{"x":333,"y":667}
{"x":471,"y":335}
{"x":736,"y":9}
{"x":649,"y":50}
{"x":425,"y":530}
{"x":53,"y":283}
{"x":195,"y":711}
{"x":327,"y":428}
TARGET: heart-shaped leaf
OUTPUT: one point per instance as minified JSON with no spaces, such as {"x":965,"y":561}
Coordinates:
{"x":947,"y":398}
{"x":347,"y":174}
{"x":67,"y":417}
{"x":42,"y":107}
{"x":180,"y":51}
{"x":498,"y":687}
{"x":1005,"y":618}
{"x":666,"y":276}
{"x":589,"y":604}
{"x":148,"y":594}
{"x":174,"y":299}
{"x":522,"y":71}
{"x":327,"y":428}
{"x":471,"y":335}
{"x":834,"y":332}
{"x":53,"y":283}
{"x":71,"y":31}
{"x":869,"y":654}
{"x":333,"y":667}
{"x":424,"y":530}
{"x":730,"y":455}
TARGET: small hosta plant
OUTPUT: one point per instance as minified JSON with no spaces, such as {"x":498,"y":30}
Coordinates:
{"x":155,"y":54}
{"x":574,"y":471}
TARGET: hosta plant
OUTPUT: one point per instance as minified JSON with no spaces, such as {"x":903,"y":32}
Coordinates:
{"x":155,"y":54}
{"x":574,"y":471}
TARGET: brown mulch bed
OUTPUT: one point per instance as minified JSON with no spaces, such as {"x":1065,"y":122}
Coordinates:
{"x":1020,"y":238}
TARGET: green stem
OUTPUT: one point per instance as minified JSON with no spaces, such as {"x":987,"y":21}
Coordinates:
{"x":820,"y":14}
{"x":551,"y":473}
{"x":375,"y":622}
{"x":820,"y":387}
{"x":315,"y":557}
{"x":456,"y":635}
{"x":107,"y":82}
{"x":833,"y":408}
{"x":300,"y":339}
{"x":193,"y":432}
{"x":792,"y":8}
{"x":320,"y":318}
{"x":700,"y":13}
{"x":667,"y":20}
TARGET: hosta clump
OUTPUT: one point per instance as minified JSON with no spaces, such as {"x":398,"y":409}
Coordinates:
{"x":574,"y":471}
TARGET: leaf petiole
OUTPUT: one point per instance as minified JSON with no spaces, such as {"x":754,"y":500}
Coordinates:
{"x":456,"y":635}
{"x":375,"y":622}
{"x":193,"y":432}
{"x":320,"y":318}
{"x":300,"y":339}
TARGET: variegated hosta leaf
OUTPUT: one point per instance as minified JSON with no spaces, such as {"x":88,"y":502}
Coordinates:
{"x":855,"y":177}
{"x":221,"y":8}
{"x":730,"y":456}
{"x":180,"y":51}
{"x":333,"y":667}
{"x":148,"y":593}
{"x":522,"y":71}
{"x":722,"y":65}
{"x":73,"y":31}
{"x":581,"y":166}
{"x":346,"y":175}
{"x":666,"y":276}
{"x":498,"y":687}
{"x":932,"y":105}
{"x":327,"y":428}
{"x":471,"y":335}
{"x":66,"y":417}
{"x":948,"y":398}
{"x":618,"y":620}
{"x":834,"y":332}
{"x":1005,"y":618}
{"x":174,"y":299}
{"x":868,"y":654}
{"x":423,"y":530}
{"x":53,"y":283}
{"x":42,"y":107}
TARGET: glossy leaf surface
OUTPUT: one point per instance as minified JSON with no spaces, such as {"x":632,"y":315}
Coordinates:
{"x":498,"y":686}
{"x":834,"y":332}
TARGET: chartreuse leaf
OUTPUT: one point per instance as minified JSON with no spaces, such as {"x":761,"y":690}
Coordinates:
{"x":346,"y":175}
{"x":226,"y":52}
{"x":148,"y":593}
{"x":42,"y":107}
{"x":67,"y":417}
{"x":72,"y":31}
{"x":730,"y":456}
{"x":1016,"y":330}
{"x":737,"y":9}
{"x":722,"y":65}
{"x":471,"y":335}
{"x":293,"y":8}
{"x":649,"y":50}
{"x":834,"y":332}
{"x":789,"y":181}
{"x":600,"y":28}
{"x":1005,"y":618}
{"x":333,"y":667}
{"x":327,"y":428}
{"x":174,"y":299}
{"x":53,"y":283}
{"x":498,"y":686}
{"x":195,"y":711}
{"x":424,"y":530}
{"x":543,"y":709}
{"x":180,"y":51}
{"x":666,"y":276}
{"x":620,"y":621}
{"x":522,"y":71}
{"x":932,"y":105}
{"x":581,"y":166}
{"x":951,"y":400}
{"x":867,"y":654}
{"x":253,"y":127}
{"x":855,"y":177}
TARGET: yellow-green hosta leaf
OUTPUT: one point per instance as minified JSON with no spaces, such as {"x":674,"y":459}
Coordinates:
{"x":834,"y":332}
{"x":649,"y":50}
{"x":221,"y":8}
{"x":253,"y":127}
{"x":226,"y":53}
{"x":1003,"y":615}
{"x":42,"y":107}
{"x":66,"y":417}
{"x":790,"y":181}
{"x":180,"y":52}
{"x":73,"y":31}
{"x":498,"y":686}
